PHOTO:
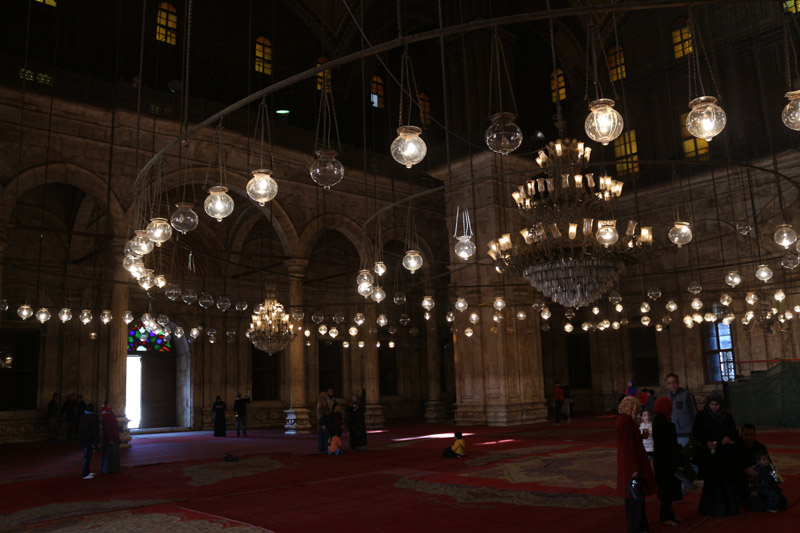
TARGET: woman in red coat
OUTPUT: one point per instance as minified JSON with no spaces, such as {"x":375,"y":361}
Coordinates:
{"x":632,"y":462}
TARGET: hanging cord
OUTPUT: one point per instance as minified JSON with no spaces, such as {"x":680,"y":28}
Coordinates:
{"x":789,"y":45}
{"x":559,"y":117}
{"x":22,"y":106}
{"x":139,"y":94}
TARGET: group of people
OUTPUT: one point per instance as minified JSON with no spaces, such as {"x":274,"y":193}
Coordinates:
{"x":92,"y":439}
{"x":661,"y":451}
{"x":239,"y":412}
{"x":331,"y":419}
{"x":70,"y":411}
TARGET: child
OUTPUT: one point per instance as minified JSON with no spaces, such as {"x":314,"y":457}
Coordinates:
{"x":335,"y":445}
{"x":646,"y":429}
{"x":458,"y":449}
{"x":766,"y":485}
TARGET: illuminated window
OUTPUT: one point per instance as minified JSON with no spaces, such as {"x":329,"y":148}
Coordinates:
{"x":322,"y":74}
{"x":627,"y":153}
{"x":376,"y":92}
{"x":263,"y":56}
{"x":682,"y":41}
{"x":166,"y":23}
{"x":692,"y":146}
{"x":52,"y":3}
{"x":558,"y":87}
{"x":616,"y":63}
{"x":424,"y":110}
{"x":792,"y":6}
{"x":719,"y":352}
{"x":141,"y":340}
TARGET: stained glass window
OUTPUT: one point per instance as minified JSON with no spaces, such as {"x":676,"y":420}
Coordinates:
{"x":263,"y":56}
{"x":681,"y":40}
{"x":141,"y":340}
{"x":166,"y":23}
{"x":558,"y":86}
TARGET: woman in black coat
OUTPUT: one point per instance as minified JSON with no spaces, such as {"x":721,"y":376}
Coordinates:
{"x":218,"y":408}
{"x":667,"y":460}
{"x":358,"y":426}
{"x":714,"y":432}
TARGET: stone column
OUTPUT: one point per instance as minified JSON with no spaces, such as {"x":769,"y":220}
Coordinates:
{"x":435,"y":410}
{"x":374,"y":411}
{"x":297,"y":415}
{"x":118,"y":344}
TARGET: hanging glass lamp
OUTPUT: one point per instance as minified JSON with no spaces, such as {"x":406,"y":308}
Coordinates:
{"x":184,"y":219}
{"x":764,"y":273}
{"x":412,"y":261}
{"x":604,"y":123}
{"x":706,"y":119}
{"x":428,"y":303}
{"x":408,"y":148}
{"x":464,"y":248}
{"x":378,"y":294}
{"x":461,"y":304}
{"x":141,"y":244}
{"x":65,"y":314}
{"x":785,"y":236}
{"x":159,"y":231}
{"x":680,"y":233}
{"x":326,"y":170}
{"x":218,"y":203}
{"x":43,"y":315}
{"x":262,"y":187}
{"x":733,"y":278}
{"x":85,"y":317}
{"x":503,"y":136}
{"x":791,"y":113}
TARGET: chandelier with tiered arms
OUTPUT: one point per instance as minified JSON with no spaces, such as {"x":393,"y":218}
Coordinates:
{"x":270,"y":328}
{"x":570,"y":249}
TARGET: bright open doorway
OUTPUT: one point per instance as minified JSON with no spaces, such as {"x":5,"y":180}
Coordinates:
{"x":133,"y":392}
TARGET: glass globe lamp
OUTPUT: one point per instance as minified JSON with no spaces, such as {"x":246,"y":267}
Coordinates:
{"x":428,"y":303}
{"x":725,"y":299}
{"x":607,"y":232}
{"x":205,"y":301}
{"x":586,"y":326}
{"x":65,"y":314}
{"x":159,"y":231}
{"x":568,"y":327}
{"x":382,"y":320}
{"x":697,"y":317}
{"x":241,"y":305}
{"x":545,"y":327}
{"x":138,"y":269}
{"x":615,"y":325}
{"x":412,"y":261}
{"x":361,"y":344}
{"x":615,"y":297}
{"x":378,"y":294}
{"x":218,"y":203}
{"x":697,"y":304}
{"x":728,"y":319}
{"x":461,"y":304}
{"x":189,"y":296}
{"x":706,"y":119}
{"x":751,"y":298}
{"x":680,"y":233}
{"x":644,"y":308}
{"x":106,"y":316}
{"x":474,"y":318}
{"x":224,"y":303}
{"x":785,"y":236}
{"x":666,"y":319}
{"x":545,"y":314}
{"x":184,"y":219}
{"x":468,"y":332}
{"x":141,"y":244}
{"x":359,"y":319}
{"x":365,"y":289}
{"x":43,"y":315}
{"x":497,"y":316}
{"x":450,"y":316}
{"x":408,"y":148}
{"x":604,"y":123}
{"x":404,"y":319}
{"x":595,"y":311}
{"x":326,"y":170}
{"x":503,"y":136}
{"x":161,"y":281}
{"x":345,"y":344}
{"x":521,"y":314}
{"x":464,"y":248}
{"x":672,"y":306}
{"x":654,"y":293}
{"x":710,"y":317}
{"x":322,"y":329}
{"x":659,"y":327}
{"x":353,"y":331}
{"x":791,"y":113}
{"x":178,"y":333}
{"x":333,"y":332}
{"x":538,"y":304}
{"x":379,"y":268}
{"x":733,"y":278}
{"x":364,"y":276}
{"x":127,"y":317}
{"x":764,"y":273}
{"x":399,"y":298}
{"x":148,"y":280}
{"x":261,"y":187}
{"x":695,"y":288}
{"x":85,"y":317}
{"x":499,"y":303}
{"x":426,"y":315}
{"x":618,"y":308}
{"x":779,"y":295}
{"x":790,"y":261}
{"x":317,"y":317}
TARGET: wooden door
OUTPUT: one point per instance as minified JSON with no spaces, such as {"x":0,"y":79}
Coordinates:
{"x":158,"y":391}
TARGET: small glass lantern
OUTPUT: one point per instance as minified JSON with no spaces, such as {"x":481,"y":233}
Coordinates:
{"x":785,"y":236}
{"x":521,"y":314}
{"x":399,"y":298}
{"x":326,"y":170}
{"x":751,"y":298}
{"x":322,"y":329}
{"x":706,"y":119}
{"x":412,"y":261}
{"x":364,"y":276}
{"x":65,"y":314}
{"x":604,"y":123}
{"x":450,"y":316}
{"x":468,"y":332}
{"x":141,"y":244}
{"x":672,"y":306}
{"x":644,"y":307}
{"x":733,"y":278}
{"x":464,"y":248}
{"x":428,"y":303}
{"x":147,"y":280}
{"x":607,"y":232}
{"x":359,"y":319}
{"x":205,"y":301}
{"x":159,"y":231}
{"x":223,"y":303}
{"x":408,"y":148}
{"x":127,"y":317}
{"x":725,"y":299}
{"x":382,"y":320}
{"x":106,"y":316}
{"x":474,"y":318}
{"x":791,"y":113}
{"x":261,"y":187}
{"x":503,"y":136}
{"x":333,"y":332}
{"x":184,"y":219}
{"x":189,"y":296}
{"x":353,"y":331}
{"x":680,"y":233}
{"x":43,"y":315}
{"x":697,"y":304}
{"x":764,"y":273}
{"x":365,"y":289}
{"x":218,"y":203}
{"x":568,"y":327}
{"x":461,"y":304}
{"x":378,"y":294}
{"x":85,"y":317}
{"x":379,"y":268}
{"x":499,"y":304}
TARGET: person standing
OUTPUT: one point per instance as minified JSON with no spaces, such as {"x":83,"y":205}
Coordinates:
{"x":89,"y":436}
{"x":667,"y":460}
{"x":631,"y":390}
{"x":633,"y":466}
{"x":331,"y":399}
{"x":558,"y":401}
{"x":218,"y":408}
{"x":684,"y":409}
{"x":358,"y":425}
{"x":110,"y":461}
{"x":52,"y":417}
{"x":323,"y":422}
{"x":240,"y":412}
{"x":715,"y":431}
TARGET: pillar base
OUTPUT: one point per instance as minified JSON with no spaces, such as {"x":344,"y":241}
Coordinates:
{"x":373,"y":416}
{"x":435,"y":412}
{"x":297,"y":421}
{"x":124,"y":432}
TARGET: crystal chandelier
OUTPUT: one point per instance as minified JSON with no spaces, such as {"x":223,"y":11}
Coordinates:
{"x":571,"y":250}
{"x":270,"y":330}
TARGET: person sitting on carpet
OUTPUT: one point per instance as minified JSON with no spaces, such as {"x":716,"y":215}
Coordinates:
{"x":335,"y":445}
{"x":458,"y":449}
{"x":766,"y":485}
{"x":747,"y":451}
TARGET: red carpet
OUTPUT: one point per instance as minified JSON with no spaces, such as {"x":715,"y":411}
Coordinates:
{"x":544,"y":477}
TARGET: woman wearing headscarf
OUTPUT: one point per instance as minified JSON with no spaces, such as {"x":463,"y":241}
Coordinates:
{"x":632,"y":463}
{"x":358,"y":425}
{"x":667,"y":460}
{"x":323,"y":422}
{"x":714,"y":432}
{"x":218,"y":408}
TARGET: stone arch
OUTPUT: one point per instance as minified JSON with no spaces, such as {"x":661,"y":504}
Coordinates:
{"x":66,"y":173}
{"x":319,"y":225}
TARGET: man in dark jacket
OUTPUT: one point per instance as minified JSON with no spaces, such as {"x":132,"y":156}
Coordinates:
{"x":240,"y":411}
{"x":684,"y":409}
{"x":89,"y":435}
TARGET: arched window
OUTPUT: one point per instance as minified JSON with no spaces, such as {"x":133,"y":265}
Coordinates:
{"x":167,"y":23}
{"x":558,"y":86}
{"x":142,"y":340}
{"x":616,"y":63}
{"x":627,"y":153}
{"x":322,"y":74}
{"x":681,"y":39}
{"x":792,"y":6}
{"x":376,"y":92}
{"x":424,"y":110}
{"x":52,"y":3}
{"x":263,"y":56}
{"x":692,"y":146}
